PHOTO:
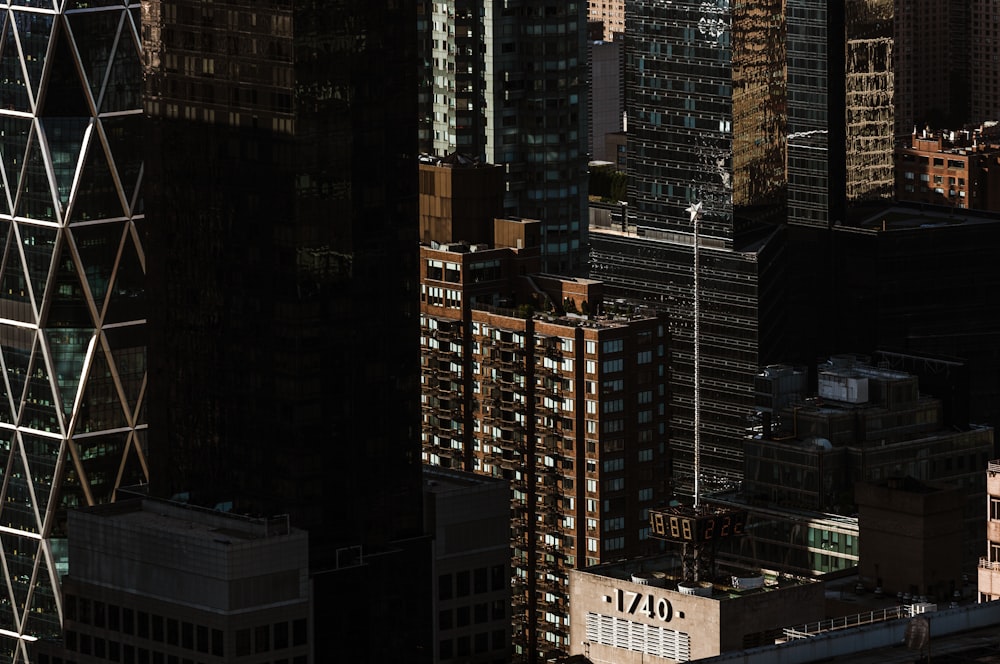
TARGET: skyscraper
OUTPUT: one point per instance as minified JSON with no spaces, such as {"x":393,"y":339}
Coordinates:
{"x":72,"y":300}
{"x":284,"y":361}
{"x":705,"y":97}
{"x":507,"y":82}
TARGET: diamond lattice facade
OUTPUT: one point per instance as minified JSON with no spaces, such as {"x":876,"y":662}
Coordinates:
{"x":72,"y":331}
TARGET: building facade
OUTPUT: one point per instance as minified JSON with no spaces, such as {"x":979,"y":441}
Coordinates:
{"x":72,"y":295}
{"x":282,"y":140}
{"x":611,"y":15}
{"x":989,"y":565}
{"x":469,"y":515}
{"x":957,"y":170}
{"x":644,"y":611}
{"x":741,"y":320}
{"x":506,"y":82}
{"x":152,"y":581}
{"x":527,"y":379}
{"x":984,"y":71}
{"x":705,"y":97}
{"x":606,"y":101}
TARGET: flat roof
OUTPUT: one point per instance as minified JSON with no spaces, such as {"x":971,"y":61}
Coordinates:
{"x":667,"y":569}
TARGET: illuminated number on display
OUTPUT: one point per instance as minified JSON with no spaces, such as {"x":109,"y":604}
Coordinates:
{"x":663,"y":610}
{"x":656,"y":521}
{"x":726,"y":522}
{"x":687,"y":528}
{"x":709,"y":529}
{"x":738,"y":525}
{"x":675,"y":527}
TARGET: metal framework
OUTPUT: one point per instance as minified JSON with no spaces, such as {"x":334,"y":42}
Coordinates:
{"x":72,"y":346}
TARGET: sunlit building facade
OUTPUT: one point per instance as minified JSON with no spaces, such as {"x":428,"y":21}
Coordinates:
{"x":507,"y":82}
{"x":72,"y":306}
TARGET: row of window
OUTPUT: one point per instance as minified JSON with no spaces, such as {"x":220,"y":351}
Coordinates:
{"x":464,"y":646}
{"x":172,"y":632}
{"x":463,"y":616}
{"x":479,"y":580}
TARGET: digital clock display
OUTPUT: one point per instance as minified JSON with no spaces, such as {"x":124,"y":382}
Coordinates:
{"x":682,"y":525}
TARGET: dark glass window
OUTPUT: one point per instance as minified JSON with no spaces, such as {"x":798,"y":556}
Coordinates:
{"x":482,"y":613}
{"x":142,"y":625}
{"x":187,"y":636}
{"x":280,"y":636}
{"x":498,"y":579}
{"x":172,"y":632}
{"x":444,"y":586}
{"x":479,"y":580}
{"x":242,"y":642}
{"x":158,"y":628}
{"x":262,"y":638}
{"x":218,"y":643}
{"x":462,"y":616}
{"x":444,"y":619}
{"x":99,"y":614}
{"x":128,"y":621}
{"x":299,"y":632}
{"x":462,"y":584}
{"x":114,"y":618}
{"x":202,"y":638}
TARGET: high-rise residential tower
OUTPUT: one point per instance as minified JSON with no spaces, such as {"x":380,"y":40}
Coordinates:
{"x":72,"y":300}
{"x":507,"y":82}
{"x":284,"y":363}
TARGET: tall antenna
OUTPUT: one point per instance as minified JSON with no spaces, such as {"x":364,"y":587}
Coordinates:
{"x":695,"y":211}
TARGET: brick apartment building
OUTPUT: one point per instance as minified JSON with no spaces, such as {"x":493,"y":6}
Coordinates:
{"x":957,"y":169}
{"x":527,"y":377}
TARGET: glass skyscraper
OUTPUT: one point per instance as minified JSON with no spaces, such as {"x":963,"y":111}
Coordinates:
{"x":507,"y":82}
{"x":72,"y":306}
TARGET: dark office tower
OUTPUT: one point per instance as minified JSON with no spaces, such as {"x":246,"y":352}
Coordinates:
{"x":72,"y":305}
{"x":706,"y":102}
{"x":815,"y":95}
{"x":284,"y":362}
{"x":506,"y":81}
{"x":705,"y":97}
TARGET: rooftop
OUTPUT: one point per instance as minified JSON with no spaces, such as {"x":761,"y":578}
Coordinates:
{"x":664,"y":571}
{"x":189,"y":521}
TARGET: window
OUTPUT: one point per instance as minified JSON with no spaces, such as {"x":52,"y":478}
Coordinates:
{"x":614,"y":543}
{"x":644,"y":357}
{"x":462,"y":585}
{"x":611,"y":366}
{"x":613,"y":346}
{"x":444,"y":586}
{"x":299,"y":632}
{"x":994,"y":508}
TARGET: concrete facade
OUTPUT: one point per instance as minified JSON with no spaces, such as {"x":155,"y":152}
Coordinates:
{"x":469,"y":516}
{"x":989,"y":565}
{"x":912,"y":534}
{"x":151,"y":581}
{"x":639,"y":613}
